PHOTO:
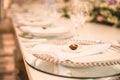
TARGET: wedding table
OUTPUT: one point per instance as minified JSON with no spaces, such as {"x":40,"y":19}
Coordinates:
{"x":90,"y":31}
{"x":39,"y":28}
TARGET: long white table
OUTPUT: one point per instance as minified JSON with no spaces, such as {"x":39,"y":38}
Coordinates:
{"x":90,"y":31}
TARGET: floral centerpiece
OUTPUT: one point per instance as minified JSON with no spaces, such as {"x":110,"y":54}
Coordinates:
{"x":106,"y":12}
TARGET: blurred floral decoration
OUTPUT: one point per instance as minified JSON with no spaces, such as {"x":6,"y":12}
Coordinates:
{"x":106,"y":12}
{"x":66,"y":9}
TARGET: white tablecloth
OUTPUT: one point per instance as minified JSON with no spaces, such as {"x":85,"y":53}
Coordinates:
{"x":90,"y":31}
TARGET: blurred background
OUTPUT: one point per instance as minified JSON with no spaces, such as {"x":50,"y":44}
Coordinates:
{"x":11,"y":62}
{"x":12,"y":67}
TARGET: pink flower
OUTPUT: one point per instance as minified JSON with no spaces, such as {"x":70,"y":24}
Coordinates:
{"x":100,"y":18}
{"x":112,"y":2}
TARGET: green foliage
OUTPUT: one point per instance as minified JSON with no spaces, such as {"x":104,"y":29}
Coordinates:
{"x":65,"y":10}
{"x":66,"y":0}
{"x":109,"y":16}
